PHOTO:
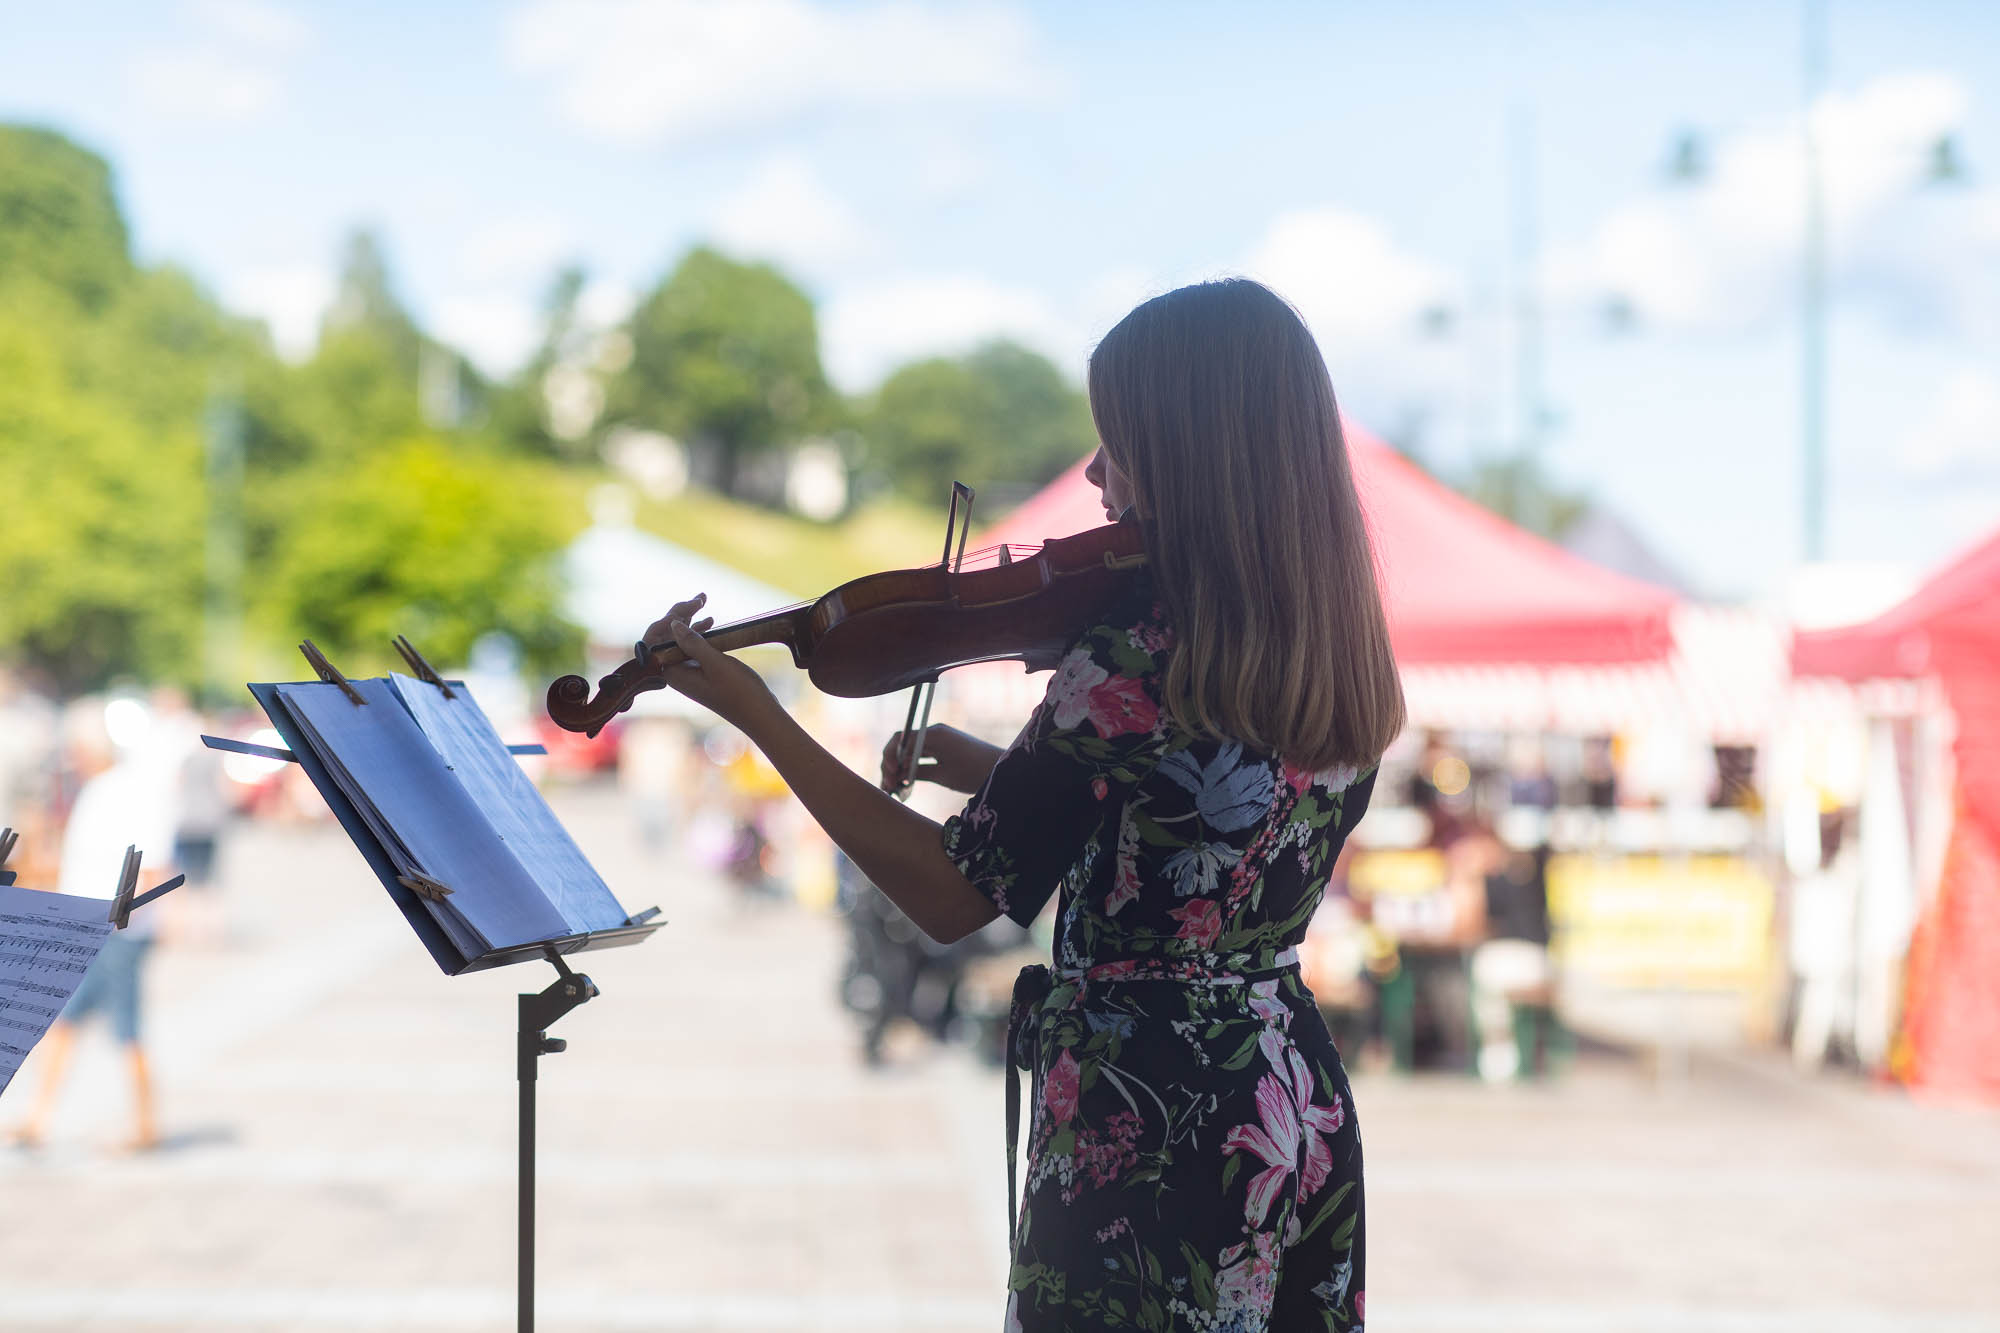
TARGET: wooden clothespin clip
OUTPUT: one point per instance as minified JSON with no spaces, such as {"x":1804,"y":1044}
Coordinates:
{"x":325,"y":669}
{"x":424,"y":886}
{"x":128,"y":880}
{"x":419,"y":668}
{"x":7,"y":840}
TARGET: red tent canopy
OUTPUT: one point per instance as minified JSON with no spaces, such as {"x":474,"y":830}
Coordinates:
{"x":1899,"y":642}
{"x":1461,"y":584}
{"x":1949,"y":628}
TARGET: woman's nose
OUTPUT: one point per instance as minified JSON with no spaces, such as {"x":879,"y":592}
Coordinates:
{"x":1093,"y":471}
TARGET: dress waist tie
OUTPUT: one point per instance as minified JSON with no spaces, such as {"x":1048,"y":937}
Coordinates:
{"x":1031,"y":993}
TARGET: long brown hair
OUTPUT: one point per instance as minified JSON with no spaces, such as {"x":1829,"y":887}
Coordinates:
{"x":1215,"y":401}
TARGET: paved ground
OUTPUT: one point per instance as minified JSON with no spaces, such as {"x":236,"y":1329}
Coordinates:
{"x":712,"y":1157}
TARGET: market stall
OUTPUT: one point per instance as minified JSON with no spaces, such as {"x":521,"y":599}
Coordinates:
{"x":1560,"y":706}
{"x":1946,"y":635}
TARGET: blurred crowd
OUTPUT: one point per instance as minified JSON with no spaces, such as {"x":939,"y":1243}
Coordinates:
{"x":1438,"y":945}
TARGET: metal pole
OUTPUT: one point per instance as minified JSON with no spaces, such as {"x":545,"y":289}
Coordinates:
{"x":1813,"y":332}
{"x":530,"y":1048}
{"x":1530,"y":414}
{"x":222,"y":548}
{"x":537,"y":1014}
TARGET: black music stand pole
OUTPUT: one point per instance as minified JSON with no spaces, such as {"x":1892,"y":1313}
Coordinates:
{"x":538,"y":1012}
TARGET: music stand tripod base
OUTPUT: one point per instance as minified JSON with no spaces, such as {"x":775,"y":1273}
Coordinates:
{"x":538,"y":1013}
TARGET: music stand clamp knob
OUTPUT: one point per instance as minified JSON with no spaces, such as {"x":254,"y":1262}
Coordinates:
{"x":553,"y":1045}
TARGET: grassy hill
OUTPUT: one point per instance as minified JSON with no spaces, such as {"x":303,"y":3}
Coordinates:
{"x":797,"y":554}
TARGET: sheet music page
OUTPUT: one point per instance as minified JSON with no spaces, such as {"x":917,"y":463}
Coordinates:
{"x":400,"y":774}
{"x":466,"y":739}
{"x":47,"y":942}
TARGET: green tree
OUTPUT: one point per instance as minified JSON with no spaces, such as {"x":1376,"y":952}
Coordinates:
{"x":365,"y":302}
{"x":725,"y":355}
{"x":1001,"y":414}
{"x":59,"y":219}
{"x":432,"y":540}
{"x":519,"y":414}
{"x":104,"y":527}
{"x":1518,"y":489}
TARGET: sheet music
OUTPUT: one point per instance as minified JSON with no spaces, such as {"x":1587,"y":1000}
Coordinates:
{"x":470,"y":746}
{"x":47,"y":942}
{"x":420,"y":810}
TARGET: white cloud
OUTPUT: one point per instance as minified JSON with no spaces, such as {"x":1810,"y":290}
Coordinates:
{"x":527,"y":249}
{"x":289,"y":299}
{"x":604,"y":303}
{"x":865,"y":334}
{"x":677,"y":69}
{"x":203,"y":83}
{"x":1961,"y":433}
{"x":1725,"y":252}
{"x":1358,"y":290}
{"x":228,"y":67}
{"x":1347,"y":276}
{"x":496,"y":331}
{"x":253,"y":23}
{"x":785,"y":213}
{"x":948,"y":170}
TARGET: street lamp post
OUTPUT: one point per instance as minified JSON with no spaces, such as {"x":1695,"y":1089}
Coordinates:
{"x":1812,"y":302}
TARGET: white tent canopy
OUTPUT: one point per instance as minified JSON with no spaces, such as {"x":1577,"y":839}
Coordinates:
{"x":621,"y":580}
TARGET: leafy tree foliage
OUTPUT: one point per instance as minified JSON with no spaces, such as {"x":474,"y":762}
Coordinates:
{"x":425,"y":541}
{"x":59,"y":219}
{"x":359,"y":519}
{"x":519,"y":415}
{"x":1518,"y":489}
{"x":1001,"y":414}
{"x":103,"y":537}
{"x":725,"y":355}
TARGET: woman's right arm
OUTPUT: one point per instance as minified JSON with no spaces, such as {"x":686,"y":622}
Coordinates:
{"x":951,"y":758}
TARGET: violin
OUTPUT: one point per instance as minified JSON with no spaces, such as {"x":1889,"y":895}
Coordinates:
{"x":882,"y":632}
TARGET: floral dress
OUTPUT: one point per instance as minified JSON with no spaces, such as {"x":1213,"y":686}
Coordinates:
{"x":1193,"y":1160}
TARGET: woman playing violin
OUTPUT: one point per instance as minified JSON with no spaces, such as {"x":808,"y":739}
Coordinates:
{"x":1204,"y":749}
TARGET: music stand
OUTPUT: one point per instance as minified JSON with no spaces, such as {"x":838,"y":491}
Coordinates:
{"x":536,"y":1012}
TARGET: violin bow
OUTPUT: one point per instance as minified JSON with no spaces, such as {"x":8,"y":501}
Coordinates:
{"x":958,"y":522}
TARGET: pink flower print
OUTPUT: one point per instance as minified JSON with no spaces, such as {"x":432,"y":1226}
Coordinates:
{"x":1059,"y":1093}
{"x":1069,"y":695}
{"x":1318,"y":1122}
{"x":1264,"y":1002}
{"x":1125,"y":879}
{"x":1251,"y":1284}
{"x":1119,"y":705}
{"x":1201,"y":922}
{"x":1360,"y":1305}
{"x":1289,"y":1121}
{"x":1099,"y":787}
{"x":1104,"y":1156}
{"x":1275,"y":1143}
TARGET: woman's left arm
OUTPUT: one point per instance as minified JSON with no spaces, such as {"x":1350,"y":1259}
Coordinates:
{"x":897,"y":848}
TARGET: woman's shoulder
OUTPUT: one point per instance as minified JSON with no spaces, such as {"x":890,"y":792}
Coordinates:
{"x":1109,"y":680}
{"x":1130,"y":636}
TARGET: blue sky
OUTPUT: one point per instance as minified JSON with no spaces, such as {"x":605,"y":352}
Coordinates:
{"x":937,"y":173}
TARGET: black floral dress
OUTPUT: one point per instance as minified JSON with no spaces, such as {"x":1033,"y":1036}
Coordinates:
{"x":1193,"y":1159}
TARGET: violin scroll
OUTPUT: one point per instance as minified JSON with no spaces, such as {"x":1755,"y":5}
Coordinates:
{"x":572,"y":708}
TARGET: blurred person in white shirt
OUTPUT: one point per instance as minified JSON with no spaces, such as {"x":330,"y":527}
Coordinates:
{"x":127,"y":799}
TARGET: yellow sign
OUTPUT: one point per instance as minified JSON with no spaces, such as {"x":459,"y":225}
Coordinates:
{"x":1698,"y":922}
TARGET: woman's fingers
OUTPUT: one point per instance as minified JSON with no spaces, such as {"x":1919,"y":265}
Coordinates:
{"x":660,"y":633}
{"x":689,"y":641}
